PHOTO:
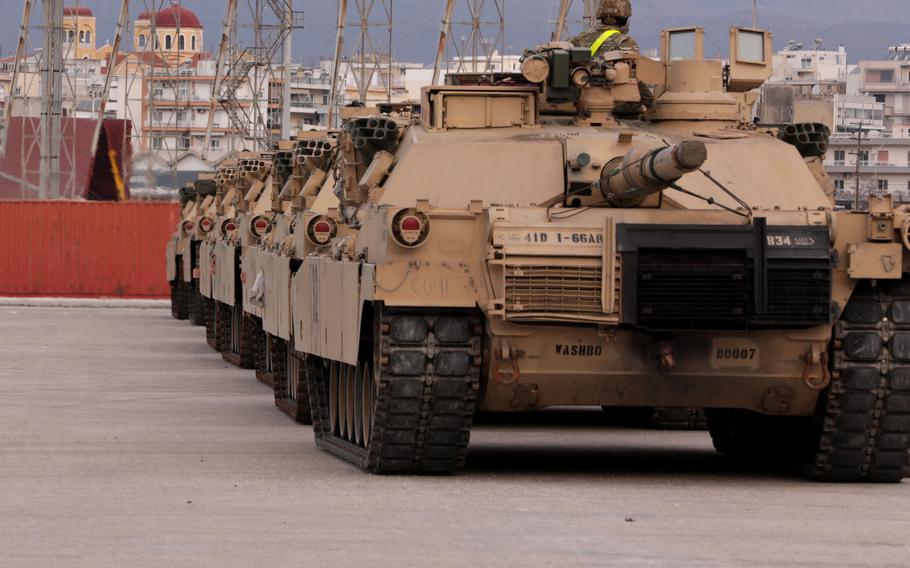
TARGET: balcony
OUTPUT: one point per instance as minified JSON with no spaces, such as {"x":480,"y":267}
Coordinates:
{"x":867,"y":168}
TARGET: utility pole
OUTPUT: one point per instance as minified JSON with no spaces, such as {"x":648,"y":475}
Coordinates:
{"x":755,"y":14}
{"x":856,"y":174}
{"x":51,"y":99}
{"x":286,"y":75}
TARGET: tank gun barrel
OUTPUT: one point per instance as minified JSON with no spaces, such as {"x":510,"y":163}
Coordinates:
{"x":647,"y":170}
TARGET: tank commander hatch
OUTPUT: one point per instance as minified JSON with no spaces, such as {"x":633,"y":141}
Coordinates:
{"x":613,"y":35}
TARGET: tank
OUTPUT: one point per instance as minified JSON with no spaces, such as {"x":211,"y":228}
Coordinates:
{"x":179,"y":246}
{"x":529,"y":242}
{"x":301,"y":169}
{"x":182,"y":251}
{"x":239,"y":221}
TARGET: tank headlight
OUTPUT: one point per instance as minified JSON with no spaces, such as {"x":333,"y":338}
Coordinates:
{"x":228,"y":227}
{"x":260,"y":225}
{"x":188,"y":227}
{"x":206,"y":224}
{"x":410,"y":228}
{"x":321,"y":230}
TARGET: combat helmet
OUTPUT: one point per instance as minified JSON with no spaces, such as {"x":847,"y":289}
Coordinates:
{"x":615,"y":12}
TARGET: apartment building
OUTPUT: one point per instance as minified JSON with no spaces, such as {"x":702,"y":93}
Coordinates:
{"x":879,"y":113}
{"x":804,"y":86}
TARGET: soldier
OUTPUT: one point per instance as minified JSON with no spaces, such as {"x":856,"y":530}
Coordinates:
{"x":612,"y":35}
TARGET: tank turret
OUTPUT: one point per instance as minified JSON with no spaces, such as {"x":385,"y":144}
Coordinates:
{"x":647,"y":170}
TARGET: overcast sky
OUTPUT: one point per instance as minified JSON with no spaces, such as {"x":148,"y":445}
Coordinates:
{"x":865,"y":27}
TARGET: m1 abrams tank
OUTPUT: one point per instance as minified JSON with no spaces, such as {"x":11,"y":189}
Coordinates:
{"x":270,"y":265}
{"x":178,"y":247}
{"x":522,"y":246}
{"x":183,"y":248}
{"x":240,"y":203}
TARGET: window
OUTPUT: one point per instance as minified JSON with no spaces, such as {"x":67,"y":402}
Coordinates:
{"x":142,"y":40}
{"x":69,"y":36}
{"x":168,"y":42}
{"x":193,"y":42}
{"x":682,"y":45}
{"x":88,"y":37}
{"x":882,"y":158}
{"x":157,"y":43}
{"x":839,"y":184}
{"x":879,"y":76}
{"x":863,"y":158}
{"x":214,"y":144}
{"x":81,"y":37}
{"x":879,"y":98}
{"x":840,"y":157}
{"x":751,"y":46}
{"x":180,"y":117}
{"x":181,"y":43}
{"x":183,"y":143}
{"x":156,"y":143}
{"x":883,"y":185}
{"x":158,"y":117}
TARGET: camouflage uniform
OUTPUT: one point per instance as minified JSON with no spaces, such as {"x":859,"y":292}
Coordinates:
{"x":617,"y":42}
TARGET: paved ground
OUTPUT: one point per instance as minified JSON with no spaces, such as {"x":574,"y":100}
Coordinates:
{"x":125,"y":441}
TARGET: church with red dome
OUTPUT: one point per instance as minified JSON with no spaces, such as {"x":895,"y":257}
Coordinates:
{"x":174,"y":32}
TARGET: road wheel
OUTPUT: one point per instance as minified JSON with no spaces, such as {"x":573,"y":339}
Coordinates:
{"x":408,"y":405}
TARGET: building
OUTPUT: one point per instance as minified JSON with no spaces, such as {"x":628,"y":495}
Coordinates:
{"x":884,"y":166}
{"x":879,"y":113}
{"x":888,"y":83}
{"x":162,"y":80}
{"x":815,"y":65}
{"x":804,"y":86}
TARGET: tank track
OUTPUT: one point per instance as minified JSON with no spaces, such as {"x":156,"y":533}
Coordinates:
{"x":865,"y":430}
{"x":239,"y":327}
{"x":179,"y":295}
{"x":291,"y":368}
{"x":423,"y":406}
{"x":265,"y":373}
{"x":211,"y":323}
{"x":260,"y":356}
{"x":197,"y":305}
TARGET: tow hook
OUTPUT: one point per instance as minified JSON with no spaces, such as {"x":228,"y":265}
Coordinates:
{"x":665,"y":359}
{"x":513,"y":354}
{"x":811,"y":358}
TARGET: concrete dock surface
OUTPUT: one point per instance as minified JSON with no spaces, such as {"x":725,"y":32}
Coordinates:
{"x":126,"y":441}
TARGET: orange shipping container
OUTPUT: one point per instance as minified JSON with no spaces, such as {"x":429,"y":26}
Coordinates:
{"x":85,"y":248}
